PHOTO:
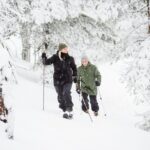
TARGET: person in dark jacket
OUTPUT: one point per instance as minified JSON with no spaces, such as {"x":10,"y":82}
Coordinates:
{"x":65,"y":72}
{"x":88,"y":79}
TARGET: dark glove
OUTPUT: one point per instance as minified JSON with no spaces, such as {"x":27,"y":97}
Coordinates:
{"x":97,"y":83}
{"x":5,"y":121}
{"x":78,"y":91}
{"x":6,"y":79}
{"x":44,"y":55}
{"x":74,"y":79}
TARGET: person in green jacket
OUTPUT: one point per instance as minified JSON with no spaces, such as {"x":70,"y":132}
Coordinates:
{"x":88,"y":78}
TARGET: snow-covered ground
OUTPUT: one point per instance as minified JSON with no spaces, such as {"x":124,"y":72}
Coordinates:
{"x":45,"y":130}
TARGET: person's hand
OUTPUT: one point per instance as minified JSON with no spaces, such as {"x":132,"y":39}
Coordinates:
{"x":74,"y":79}
{"x":78,"y":91}
{"x":6,"y":79}
{"x":5,"y":121}
{"x":97,"y":83}
{"x":44,"y":55}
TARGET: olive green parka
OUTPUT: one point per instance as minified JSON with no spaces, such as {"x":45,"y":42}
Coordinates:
{"x":86,"y":77}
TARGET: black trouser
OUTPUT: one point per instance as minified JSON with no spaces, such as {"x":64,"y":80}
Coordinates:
{"x":93,"y":102}
{"x":64,"y":96}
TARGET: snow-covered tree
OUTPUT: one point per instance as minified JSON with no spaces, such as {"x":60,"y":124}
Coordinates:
{"x":8,"y":19}
{"x":108,"y":30}
{"x":135,"y":51}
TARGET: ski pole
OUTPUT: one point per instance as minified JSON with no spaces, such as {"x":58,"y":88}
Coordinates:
{"x":44,"y":59}
{"x":104,"y":111}
{"x":86,"y":108}
{"x":43,"y":83}
{"x":85,"y":103}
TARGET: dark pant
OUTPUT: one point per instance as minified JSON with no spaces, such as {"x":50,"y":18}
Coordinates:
{"x":64,"y":96}
{"x":93,"y":102}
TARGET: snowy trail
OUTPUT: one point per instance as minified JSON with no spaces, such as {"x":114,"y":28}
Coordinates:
{"x":44,"y":130}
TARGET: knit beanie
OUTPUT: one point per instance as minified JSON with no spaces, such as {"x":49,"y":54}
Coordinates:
{"x":62,"y":46}
{"x":84,"y":56}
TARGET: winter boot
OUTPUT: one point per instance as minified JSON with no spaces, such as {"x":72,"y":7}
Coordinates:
{"x":86,"y":111}
{"x":68,"y":115}
{"x":11,"y":137}
{"x":95,"y":113}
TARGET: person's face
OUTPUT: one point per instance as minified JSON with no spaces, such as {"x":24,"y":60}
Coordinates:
{"x":65,"y":50}
{"x":85,"y":62}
